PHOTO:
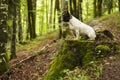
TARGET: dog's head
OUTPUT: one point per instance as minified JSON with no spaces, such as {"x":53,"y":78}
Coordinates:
{"x":66,"y":17}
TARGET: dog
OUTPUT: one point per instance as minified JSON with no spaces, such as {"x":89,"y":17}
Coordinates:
{"x":78,"y":27}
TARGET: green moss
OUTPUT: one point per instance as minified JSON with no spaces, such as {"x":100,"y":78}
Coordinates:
{"x":3,"y":63}
{"x":102,"y":50}
{"x":73,"y":53}
{"x":117,"y":48}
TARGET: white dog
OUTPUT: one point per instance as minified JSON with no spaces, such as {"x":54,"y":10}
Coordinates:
{"x":79,"y":27}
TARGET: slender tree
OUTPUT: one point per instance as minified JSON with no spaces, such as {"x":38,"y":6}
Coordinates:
{"x":87,"y":7}
{"x":99,"y":8}
{"x":14,"y":26}
{"x":47,"y":15}
{"x":31,"y":17}
{"x":80,"y":10}
{"x":57,"y":8}
{"x":70,"y":5}
{"x":64,"y":9}
{"x":119,"y":4}
{"x":110,"y":6}
{"x":20,"y":36}
{"x":95,"y":8}
{"x":51,"y":12}
{"x":75,"y":8}
{"x":42,"y":17}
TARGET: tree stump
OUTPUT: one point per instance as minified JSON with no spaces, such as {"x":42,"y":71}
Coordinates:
{"x":72,"y":53}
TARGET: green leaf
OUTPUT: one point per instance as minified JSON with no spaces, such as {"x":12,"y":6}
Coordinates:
{"x":9,"y":23}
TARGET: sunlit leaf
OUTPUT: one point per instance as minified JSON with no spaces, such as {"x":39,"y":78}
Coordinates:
{"x":9,"y":23}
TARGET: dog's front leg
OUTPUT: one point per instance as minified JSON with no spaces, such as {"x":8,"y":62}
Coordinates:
{"x":77,"y":34}
{"x":72,"y":32}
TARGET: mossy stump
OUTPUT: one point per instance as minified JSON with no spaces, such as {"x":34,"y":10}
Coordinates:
{"x":72,"y":53}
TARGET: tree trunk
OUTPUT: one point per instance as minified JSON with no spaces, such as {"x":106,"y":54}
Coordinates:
{"x":119,"y":4}
{"x":20,"y":36}
{"x":51,"y":8}
{"x":34,"y":18}
{"x":95,"y":9}
{"x":80,"y":9}
{"x":31,"y":17}
{"x":110,"y":6}
{"x":13,"y":38}
{"x":71,"y":9}
{"x":3,"y":25}
{"x":57,"y":7}
{"x":3,"y":35}
{"x":99,"y":8}
{"x":87,"y":7}
{"x":42,"y":18}
{"x":75,"y":8}
{"x":64,"y":10}
{"x":47,"y":16}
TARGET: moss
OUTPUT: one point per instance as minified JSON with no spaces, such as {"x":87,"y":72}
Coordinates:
{"x":4,"y":66}
{"x":73,"y":53}
{"x":102,"y":50}
{"x":117,"y":48}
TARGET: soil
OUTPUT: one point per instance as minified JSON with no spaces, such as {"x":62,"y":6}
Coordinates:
{"x":27,"y":66}
{"x":111,"y":68}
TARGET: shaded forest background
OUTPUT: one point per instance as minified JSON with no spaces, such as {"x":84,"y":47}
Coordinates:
{"x":24,"y":20}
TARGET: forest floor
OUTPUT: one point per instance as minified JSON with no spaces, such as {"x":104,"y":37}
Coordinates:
{"x":111,"y":64}
{"x":31,"y":66}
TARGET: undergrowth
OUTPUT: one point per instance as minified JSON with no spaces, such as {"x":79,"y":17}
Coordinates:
{"x":92,"y":73}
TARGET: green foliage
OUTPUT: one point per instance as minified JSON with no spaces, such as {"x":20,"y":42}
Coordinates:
{"x":73,"y":53}
{"x":76,"y":74}
{"x":102,"y":50}
{"x":94,"y":69}
{"x":9,"y":23}
{"x":117,"y":48}
{"x":3,"y":63}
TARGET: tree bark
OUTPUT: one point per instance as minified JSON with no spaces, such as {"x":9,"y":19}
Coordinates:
{"x":110,"y":6}
{"x":3,"y":35}
{"x":80,"y":10}
{"x":51,"y":17}
{"x":47,"y":16}
{"x":119,"y":4}
{"x":3,"y":25}
{"x":57,"y":7}
{"x":32,"y":17}
{"x":95,"y":9}
{"x":64,"y":10}
{"x":20,"y":36}
{"x":99,"y":8}
{"x":75,"y":8}
{"x":71,"y":9}
{"x":13,"y":38}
